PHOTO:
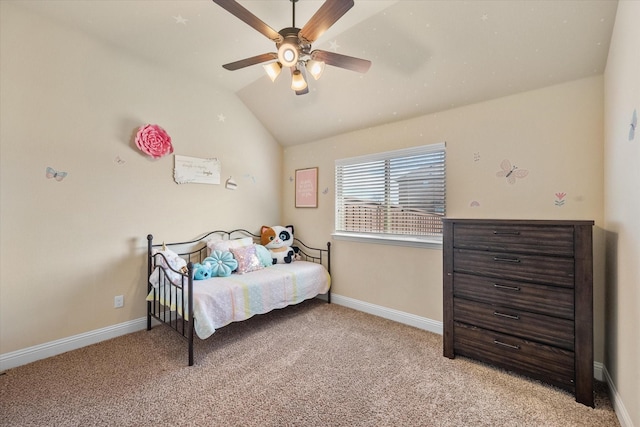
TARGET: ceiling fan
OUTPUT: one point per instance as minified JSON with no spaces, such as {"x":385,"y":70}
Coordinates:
{"x":294,"y":44}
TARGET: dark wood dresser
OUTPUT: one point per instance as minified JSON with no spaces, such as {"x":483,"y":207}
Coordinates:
{"x":518,"y":294}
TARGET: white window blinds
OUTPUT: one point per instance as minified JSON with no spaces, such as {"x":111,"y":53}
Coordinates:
{"x":398,"y":192}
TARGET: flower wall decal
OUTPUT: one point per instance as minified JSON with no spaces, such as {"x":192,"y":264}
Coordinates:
{"x":153,"y":141}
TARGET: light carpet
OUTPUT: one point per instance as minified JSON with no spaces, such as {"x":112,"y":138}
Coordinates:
{"x":314,"y":364}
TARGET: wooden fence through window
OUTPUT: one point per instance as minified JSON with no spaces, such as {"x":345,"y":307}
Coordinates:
{"x":376,"y":218}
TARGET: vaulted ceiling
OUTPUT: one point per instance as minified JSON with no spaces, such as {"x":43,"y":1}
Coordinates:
{"x":427,"y":55}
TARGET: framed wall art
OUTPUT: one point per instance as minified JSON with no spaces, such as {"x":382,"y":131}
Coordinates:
{"x":196,"y":171}
{"x":307,"y":188}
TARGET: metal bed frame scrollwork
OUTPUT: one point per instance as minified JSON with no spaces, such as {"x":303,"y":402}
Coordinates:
{"x":195,"y":251}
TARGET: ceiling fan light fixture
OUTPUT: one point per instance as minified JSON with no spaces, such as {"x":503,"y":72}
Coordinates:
{"x":297,"y":81}
{"x":315,"y":68}
{"x":293,"y":44}
{"x":273,"y":70}
{"x":288,"y":55}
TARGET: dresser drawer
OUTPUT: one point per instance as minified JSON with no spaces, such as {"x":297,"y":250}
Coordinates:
{"x":531,"y":326}
{"x":549,"y":300}
{"x":550,"y":364}
{"x":552,"y":240}
{"x":519,"y":294}
{"x":550,"y":270}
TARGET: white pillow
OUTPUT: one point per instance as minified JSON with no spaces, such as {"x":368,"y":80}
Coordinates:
{"x":226,"y":245}
{"x":173,"y":260}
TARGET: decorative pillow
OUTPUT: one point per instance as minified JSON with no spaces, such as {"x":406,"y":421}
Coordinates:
{"x":225,"y":245}
{"x":247,"y":259}
{"x":170,"y":259}
{"x":222,"y":263}
{"x":174,"y":260}
{"x":264,"y":256}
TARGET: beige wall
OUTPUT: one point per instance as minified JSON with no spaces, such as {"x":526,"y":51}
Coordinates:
{"x":67,"y":248}
{"x":555,"y":133}
{"x":622,"y":209}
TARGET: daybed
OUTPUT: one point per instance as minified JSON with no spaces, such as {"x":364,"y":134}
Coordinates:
{"x":200,"y":307}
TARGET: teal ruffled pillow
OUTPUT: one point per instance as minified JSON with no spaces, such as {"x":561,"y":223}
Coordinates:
{"x":222,"y":263}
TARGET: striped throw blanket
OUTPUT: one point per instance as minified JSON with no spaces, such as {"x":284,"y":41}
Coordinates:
{"x":222,"y":300}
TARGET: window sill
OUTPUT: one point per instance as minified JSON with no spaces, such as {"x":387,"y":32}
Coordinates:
{"x":415,"y":242}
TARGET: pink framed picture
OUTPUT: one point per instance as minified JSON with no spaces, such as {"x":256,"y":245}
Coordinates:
{"x":307,"y":188}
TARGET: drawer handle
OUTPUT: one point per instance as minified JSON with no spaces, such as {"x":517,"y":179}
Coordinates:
{"x":509,"y":233}
{"x":501,"y":259}
{"x":504,"y":344}
{"x":507,"y":288}
{"x":508,"y":316}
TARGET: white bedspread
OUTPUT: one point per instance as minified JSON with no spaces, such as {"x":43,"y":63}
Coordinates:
{"x":222,"y":300}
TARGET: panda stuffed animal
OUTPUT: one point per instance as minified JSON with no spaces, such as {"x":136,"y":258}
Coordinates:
{"x":278,"y":240}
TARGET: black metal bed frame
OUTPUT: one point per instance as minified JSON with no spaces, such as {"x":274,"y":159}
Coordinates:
{"x":195,"y":251}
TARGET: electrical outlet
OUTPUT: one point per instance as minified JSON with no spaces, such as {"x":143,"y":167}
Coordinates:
{"x":118,"y":301}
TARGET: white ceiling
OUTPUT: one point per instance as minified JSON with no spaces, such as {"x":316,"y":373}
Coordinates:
{"x":427,"y":55}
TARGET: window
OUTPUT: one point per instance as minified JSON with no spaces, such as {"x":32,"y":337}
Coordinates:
{"x":392,"y":197}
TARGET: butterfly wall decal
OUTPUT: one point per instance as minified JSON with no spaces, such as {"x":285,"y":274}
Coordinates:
{"x":52,"y":173}
{"x":634,"y":125}
{"x":511,"y":172}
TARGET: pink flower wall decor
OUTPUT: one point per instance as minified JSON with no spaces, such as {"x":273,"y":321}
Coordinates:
{"x":154,"y":141}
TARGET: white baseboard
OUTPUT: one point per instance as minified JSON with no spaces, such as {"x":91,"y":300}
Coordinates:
{"x":618,"y":406}
{"x":389,"y":313}
{"x":597,"y":371}
{"x":53,"y":348}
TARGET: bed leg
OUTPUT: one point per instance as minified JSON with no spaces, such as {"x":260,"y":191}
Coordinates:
{"x":149,"y":267}
{"x":329,"y":270}
{"x":191,"y":319}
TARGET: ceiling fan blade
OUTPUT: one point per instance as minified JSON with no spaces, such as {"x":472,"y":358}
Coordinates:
{"x":232,"y":66}
{"x":342,"y":61}
{"x":326,"y":16}
{"x":247,"y":17}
